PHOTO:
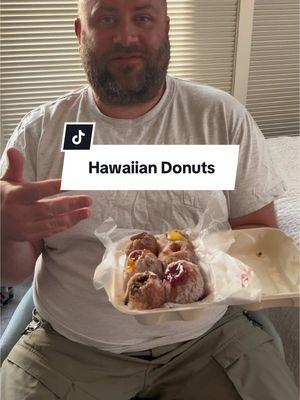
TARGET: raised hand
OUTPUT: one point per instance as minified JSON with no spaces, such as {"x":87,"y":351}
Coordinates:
{"x":27,"y":212}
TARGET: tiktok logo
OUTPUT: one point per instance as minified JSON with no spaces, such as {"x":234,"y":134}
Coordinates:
{"x":76,"y":139}
{"x":78,"y":136}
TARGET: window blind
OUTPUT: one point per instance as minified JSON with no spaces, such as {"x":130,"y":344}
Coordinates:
{"x":40,"y":60}
{"x":203,"y":39}
{"x":273,"y":89}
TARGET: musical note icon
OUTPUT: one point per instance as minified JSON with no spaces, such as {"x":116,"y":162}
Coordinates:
{"x":77,"y":138}
{"x":78,"y":135}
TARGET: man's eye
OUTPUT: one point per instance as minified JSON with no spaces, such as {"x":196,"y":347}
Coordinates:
{"x":107,"y":20}
{"x":144,"y":19}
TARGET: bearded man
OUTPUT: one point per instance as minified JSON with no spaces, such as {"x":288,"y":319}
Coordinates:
{"x":78,"y":346}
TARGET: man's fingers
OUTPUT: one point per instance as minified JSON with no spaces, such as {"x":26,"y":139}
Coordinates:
{"x":47,"y":208}
{"x":35,"y":191}
{"x":60,"y":223}
{"x":14,"y":171}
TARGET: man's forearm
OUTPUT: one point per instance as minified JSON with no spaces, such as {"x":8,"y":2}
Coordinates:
{"x":262,"y":218}
{"x":251,"y":226}
{"x":17,"y":261}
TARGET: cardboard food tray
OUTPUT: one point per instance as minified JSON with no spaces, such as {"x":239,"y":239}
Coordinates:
{"x":273,"y":256}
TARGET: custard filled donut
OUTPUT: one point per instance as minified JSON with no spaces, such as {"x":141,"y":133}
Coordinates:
{"x":183,"y":282}
{"x":172,"y":236}
{"x":145,"y":291}
{"x":142,"y":241}
{"x":178,"y":250}
{"x":142,"y":261}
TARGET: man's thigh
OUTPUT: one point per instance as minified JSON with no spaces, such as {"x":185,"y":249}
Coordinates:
{"x":23,"y":386}
{"x":26,"y":375}
{"x":45,"y":365}
{"x":232,"y":362}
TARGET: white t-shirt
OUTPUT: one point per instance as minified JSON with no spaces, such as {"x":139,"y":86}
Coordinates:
{"x":186,"y":114}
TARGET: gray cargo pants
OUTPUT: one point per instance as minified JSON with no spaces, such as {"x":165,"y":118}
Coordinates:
{"x":234,"y":360}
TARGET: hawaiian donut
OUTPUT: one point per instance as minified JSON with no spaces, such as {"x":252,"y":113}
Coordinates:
{"x":183,"y":282}
{"x":172,"y":236}
{"x":178,"y":250}
{"x":145,"y":291}
{"x":142,"y":261}
{"x":142,"y":241}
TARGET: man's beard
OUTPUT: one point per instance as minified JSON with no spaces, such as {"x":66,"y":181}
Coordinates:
{"x":140,"y":88}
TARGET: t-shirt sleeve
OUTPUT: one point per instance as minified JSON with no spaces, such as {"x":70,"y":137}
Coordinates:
{"x":25,"y":138}
{"x":257,"y":181}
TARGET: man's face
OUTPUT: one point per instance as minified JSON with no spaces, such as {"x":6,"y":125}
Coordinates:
{"x":125,"y":48}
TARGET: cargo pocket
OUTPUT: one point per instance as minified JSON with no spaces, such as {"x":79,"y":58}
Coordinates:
{"x":256,"y":368}
{"x":34,"y":364}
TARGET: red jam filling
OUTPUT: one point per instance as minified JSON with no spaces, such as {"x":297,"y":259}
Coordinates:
{"x":176,"y":274}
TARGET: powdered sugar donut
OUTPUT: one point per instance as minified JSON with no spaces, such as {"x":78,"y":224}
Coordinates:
{"x":145,"y":291}
{"x":141,"y":241}
{"x":142,"y":261}
{"x":183,"y":282}
{"x":178,"y":250}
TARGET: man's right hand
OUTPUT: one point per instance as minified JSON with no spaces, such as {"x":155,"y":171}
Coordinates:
{"x":27,"y":212}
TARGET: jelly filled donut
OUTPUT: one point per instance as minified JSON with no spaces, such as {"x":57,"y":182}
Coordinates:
{"x":145,"y":291}
{"x":178,"y":250}
{"x":183,"y":282}
{"x":142,"y":261}
{"x":142,"y":241}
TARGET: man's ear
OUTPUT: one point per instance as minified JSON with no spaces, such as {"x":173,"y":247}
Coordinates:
{"x":77,"y":28}
{"x":168,"y":24}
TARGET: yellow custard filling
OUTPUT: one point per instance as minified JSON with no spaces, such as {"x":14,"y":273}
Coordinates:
{"x":176,"y":235}
{"x":131,"y":265}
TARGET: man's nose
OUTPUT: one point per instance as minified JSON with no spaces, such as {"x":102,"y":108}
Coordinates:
{"x":126,"y":33}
